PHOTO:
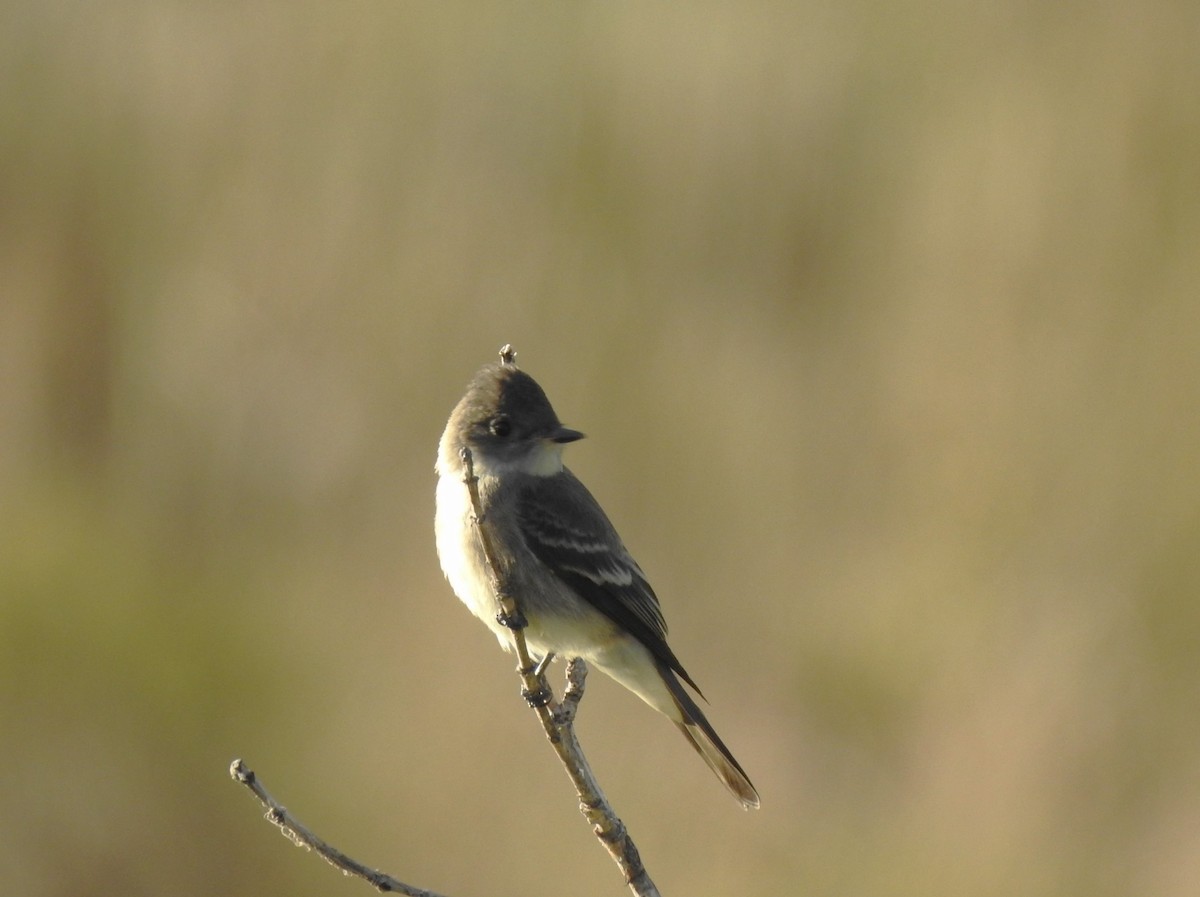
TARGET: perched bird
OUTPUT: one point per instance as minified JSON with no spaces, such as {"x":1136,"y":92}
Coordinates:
{"x":580,"y":591}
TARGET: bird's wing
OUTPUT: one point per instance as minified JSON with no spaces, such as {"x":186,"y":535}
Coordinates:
{"x":568,"y":531}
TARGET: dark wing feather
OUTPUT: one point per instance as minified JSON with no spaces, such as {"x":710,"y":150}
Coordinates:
{"x":568,"y":531}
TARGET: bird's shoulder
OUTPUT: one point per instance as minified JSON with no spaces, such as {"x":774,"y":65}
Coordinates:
{"x":564,"y":506}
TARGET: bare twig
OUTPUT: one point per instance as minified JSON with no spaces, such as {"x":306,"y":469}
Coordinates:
{"x":558,"y":719}
{"x":302,"y":837}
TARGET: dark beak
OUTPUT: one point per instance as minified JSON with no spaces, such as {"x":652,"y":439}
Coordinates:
{"x":564,"y":435}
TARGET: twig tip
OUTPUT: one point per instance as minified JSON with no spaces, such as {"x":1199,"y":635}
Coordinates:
{"x":241,"y":772}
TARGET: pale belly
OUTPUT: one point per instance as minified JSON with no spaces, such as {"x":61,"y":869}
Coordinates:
{"x":558,"y":620}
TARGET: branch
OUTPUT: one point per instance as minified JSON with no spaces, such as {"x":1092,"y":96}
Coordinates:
{"x":558,"y":720}
{"x":302,"y":837}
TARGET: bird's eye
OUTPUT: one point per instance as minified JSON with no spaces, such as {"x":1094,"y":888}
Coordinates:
{"x":500,"y":426}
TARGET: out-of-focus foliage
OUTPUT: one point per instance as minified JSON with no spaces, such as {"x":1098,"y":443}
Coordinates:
{"x":883,"y":321}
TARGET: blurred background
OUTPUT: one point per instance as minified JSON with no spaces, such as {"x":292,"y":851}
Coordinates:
{"x":882,"y":320}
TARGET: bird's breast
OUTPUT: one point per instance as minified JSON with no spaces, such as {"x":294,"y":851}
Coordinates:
{"x":558,"y":619}
{"x":460,"y":552}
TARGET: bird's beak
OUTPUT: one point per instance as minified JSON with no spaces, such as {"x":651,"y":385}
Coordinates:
{"x":564,"y":435}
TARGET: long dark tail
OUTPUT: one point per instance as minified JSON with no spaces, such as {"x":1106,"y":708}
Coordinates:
{"x":708,"y":744}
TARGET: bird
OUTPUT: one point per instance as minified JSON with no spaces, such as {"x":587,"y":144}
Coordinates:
{"x":578,"y":588}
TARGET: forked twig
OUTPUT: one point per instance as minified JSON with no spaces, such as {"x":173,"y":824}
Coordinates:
{"x":558,"y":720}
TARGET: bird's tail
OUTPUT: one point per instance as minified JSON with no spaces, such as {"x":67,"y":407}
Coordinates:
{"x":697,"y":729}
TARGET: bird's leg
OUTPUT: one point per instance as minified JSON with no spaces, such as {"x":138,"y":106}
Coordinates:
{"x":542,"y":695}
{"x":540,"y":669}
